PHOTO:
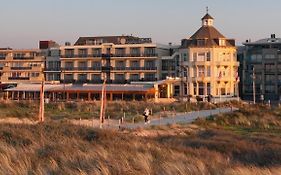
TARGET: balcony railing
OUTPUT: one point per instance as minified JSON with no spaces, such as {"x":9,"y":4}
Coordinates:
{"x":110,"y":55}
{"x":80,"y":68}
{"x":23,"y":58}
{"x":52,"y":69}
{"x":134,"y":68}
{"x":18,"y":78}
{"x":21,"y":68}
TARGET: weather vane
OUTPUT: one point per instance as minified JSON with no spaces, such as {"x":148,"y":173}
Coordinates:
{"x":207,"y":9}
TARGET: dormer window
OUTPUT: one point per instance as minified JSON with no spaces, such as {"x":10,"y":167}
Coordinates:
{"x":222,"y":42}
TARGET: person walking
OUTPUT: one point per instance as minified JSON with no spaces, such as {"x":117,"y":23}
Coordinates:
{"x":146,"y":115}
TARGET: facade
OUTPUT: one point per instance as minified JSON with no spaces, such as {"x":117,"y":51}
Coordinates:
{"x":121,"y":59}
{"x":21,"y":66}
{"x":209,"y":63}
{"x":261,"y":60}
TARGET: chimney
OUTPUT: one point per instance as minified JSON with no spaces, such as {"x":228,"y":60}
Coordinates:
{"x":272,"y":36}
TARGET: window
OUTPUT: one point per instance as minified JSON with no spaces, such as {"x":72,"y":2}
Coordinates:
{"x":135,"y":52}
{"x":201,"y":57}
{"x":256,"y":58}
{"x":222,"y":42}
{"x":96,"y":64}
{"x":269,"y":88}
{"x":35,"y":74}
{"x":96,"y":77}
{"x":270,"y":67}
{"x":69,"y":65}
{"x":195,"y":88}
{"x":208,"y":56}
{"x":135,"y":64}
{"x":194,"y":72}
{"x":208,"y":71}
{"x":68,"y":77}
{"x":149,"y":77}
{"x":3,"y":55}
{"x":208,"y":88}
{"x":69,"y":53}
{"x":120,"y":64}
{"x":201,"y":88}
{"x":82,"y":77}
{"x":134,"y":77}
{"x":120,"y":52}
{"x":184,"y":57}
{"x":201,"y":71}
{"x":149,"y":64}
{"x":201,"y":42}
{"x":194,"y":56}
{"x":269,"y":56}
{"x":270,"y":79}
{"x":82,"y":52}
{"x":82,"y":64}
{"x":96,"y":52}
{"x":149,"y":51}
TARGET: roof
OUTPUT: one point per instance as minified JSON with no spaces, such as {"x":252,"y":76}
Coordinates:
{"x":207,"y":16}
{"x":266,"y":41}
{"x":207,"y":32}
{"x":81,"y":88}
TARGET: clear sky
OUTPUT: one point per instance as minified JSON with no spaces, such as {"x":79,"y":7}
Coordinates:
{"x":25,"y":22}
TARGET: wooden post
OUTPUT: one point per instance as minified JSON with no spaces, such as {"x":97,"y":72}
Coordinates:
{"x":41,"y":109}
{"x":103,"y":99}
{"x":89,"y":96}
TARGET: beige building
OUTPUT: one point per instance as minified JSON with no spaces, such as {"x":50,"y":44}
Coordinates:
{"x":122,"y":58}
{"x":209,"y":63}
{"x":21,"y":66}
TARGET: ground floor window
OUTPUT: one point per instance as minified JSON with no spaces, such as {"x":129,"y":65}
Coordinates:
{"x":208,"y":88}
{"x":201,"y":88}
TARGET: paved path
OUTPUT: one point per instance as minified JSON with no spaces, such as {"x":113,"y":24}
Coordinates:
{"x":181,"y":118}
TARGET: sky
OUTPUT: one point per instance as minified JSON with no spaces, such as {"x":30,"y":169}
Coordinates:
{"x":24,"y":22}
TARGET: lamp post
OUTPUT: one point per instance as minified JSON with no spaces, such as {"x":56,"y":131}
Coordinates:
{"x":254,"y":85}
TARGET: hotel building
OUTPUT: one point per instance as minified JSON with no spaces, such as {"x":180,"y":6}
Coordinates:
{"x":209,"y":63}
{"x":21,"y":66}
{"x":122,"y":59}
